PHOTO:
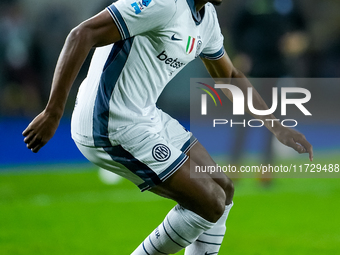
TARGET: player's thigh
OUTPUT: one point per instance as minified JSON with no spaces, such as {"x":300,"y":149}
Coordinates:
{"x":201,"y":157}
{"x":200,"y":195}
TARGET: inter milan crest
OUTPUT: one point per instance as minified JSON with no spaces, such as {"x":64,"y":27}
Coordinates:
{"x":161,"y":152}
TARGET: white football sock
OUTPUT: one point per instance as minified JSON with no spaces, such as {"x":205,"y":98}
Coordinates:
{"x":210,"y":241}
{"x":179,"y":229}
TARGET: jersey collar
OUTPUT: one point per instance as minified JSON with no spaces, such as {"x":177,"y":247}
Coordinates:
{"x":197,"y":16}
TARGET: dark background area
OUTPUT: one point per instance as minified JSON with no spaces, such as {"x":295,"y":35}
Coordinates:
{"x":264,"y":38}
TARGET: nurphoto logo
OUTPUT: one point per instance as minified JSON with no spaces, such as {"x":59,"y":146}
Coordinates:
{"x":239,"y":103}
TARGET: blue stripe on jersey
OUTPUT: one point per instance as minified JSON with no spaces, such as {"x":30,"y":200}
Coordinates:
{"x":143,"y":187}
{"x":197,"y":16}
{"x":118,"y":19}
{"x":173,"y":167}
{"x":120,"y":155}
{"x":180,"y":160}
{"x":112,"y":69}
{"x":185,"y":146}
{"x":188,"y":144}
{"x":214,"y":56}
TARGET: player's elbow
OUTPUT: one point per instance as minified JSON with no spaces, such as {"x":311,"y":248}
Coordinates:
{"x":231,"y":74}
{"x":80,"y":35}
{"x":230,"y":71}
{"x":235,"y":73}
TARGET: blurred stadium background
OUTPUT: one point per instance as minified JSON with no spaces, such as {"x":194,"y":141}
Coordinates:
{"x":54,"y":203}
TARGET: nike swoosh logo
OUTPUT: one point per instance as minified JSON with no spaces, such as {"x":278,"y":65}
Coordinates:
{"x":174,"y":38}
{"x":206,"y":253}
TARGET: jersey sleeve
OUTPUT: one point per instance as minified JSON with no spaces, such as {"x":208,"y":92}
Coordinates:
{"x":214,"y":49}
{"x":134,"y":17}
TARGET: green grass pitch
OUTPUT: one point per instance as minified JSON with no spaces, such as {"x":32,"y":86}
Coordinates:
{"x":72,"y":212}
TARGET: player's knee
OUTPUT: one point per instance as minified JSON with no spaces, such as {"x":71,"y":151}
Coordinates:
{"x":215,"y":206}
{"x":228,"y":187}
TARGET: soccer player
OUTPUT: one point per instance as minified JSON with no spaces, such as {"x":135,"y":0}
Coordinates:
{"x":116,"y":125}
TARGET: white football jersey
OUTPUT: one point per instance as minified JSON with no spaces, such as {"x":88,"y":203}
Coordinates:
{"x":125,"y":79}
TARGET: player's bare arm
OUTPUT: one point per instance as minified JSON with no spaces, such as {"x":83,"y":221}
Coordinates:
{"x":97,"y":31}
{"x":223,"y":68}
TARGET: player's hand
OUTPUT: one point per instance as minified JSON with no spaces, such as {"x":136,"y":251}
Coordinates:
{"x":295,"y":140}
{"x":40,"y":131}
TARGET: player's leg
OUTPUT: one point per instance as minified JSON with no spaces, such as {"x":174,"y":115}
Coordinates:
{"x":155,"y":160}
{"x":202,"y":201}
{"x":211,"y":240}
{"x":200,"y":155}
{"x":204,"y":197}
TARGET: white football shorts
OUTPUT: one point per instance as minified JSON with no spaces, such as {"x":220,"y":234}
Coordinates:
{"x":150,"y":157}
